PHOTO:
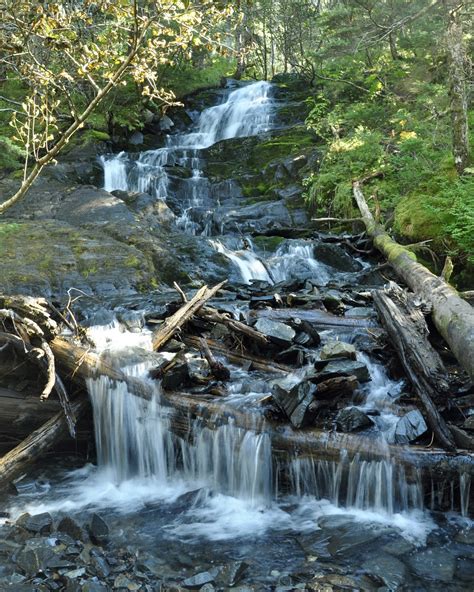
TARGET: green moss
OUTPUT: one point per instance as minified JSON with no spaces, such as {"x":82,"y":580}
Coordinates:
{"x":268,"y":243}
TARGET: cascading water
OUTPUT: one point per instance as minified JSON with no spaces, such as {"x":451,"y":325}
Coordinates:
{"x":246,"y":111}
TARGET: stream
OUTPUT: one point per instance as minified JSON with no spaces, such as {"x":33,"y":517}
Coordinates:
{"x":220,"y":509}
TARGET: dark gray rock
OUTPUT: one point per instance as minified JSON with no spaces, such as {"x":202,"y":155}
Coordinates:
{"x":276,"y":331}
{"x":69,"y":526}
{"x":136,"y":139}
{"x":465,"y":569}
{"x":295,"y":400}
{"x":338,"y":349}
{"x":40,"y":523}
{"x":34,"y":560}
{"x":389,"y":569}
{"x":335,"y":256}
{"x":176,"y":377}
{"x":231,"y":573}
{"x":346,"y":368}
{"x":462,"y":438}
{"x":200,"y":579}
{"x":98,"y":529}
{"x":469,"y":423}
{"x":408,"y":428}
{"x":436,"y":564}
{"x":352,"y":419}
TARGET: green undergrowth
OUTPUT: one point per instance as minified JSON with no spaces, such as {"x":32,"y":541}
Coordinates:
{"x":402,"y":140}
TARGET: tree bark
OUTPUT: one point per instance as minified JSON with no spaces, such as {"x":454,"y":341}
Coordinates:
{"x":452,"y":316}
{"x":457,"y":61}
{"x":166,"y":331}
{"x":406,"y":327}
{"x":36,"y":444}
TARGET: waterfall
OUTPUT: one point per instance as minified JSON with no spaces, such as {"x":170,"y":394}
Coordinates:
{"x":247,"y":111}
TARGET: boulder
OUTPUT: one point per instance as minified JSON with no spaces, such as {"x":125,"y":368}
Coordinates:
{"x":200,"y":579}
{"x":435,"y":564}
{"x":70,"y":527}
{"x":277,"y":332}
{"x":408,"y":428}
{"x":469,"y":423}
{"x":334,"y":256}
{"x":98,"y":529}
{"x":389,"y":569}
{"x":40,"y":523}
{"x":352,"y":419}
{"x":462,"y":438}
{"x":338,"y":349}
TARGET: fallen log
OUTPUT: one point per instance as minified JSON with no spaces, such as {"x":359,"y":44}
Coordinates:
{"x":452,"y":316}
{"x":408,"y":332}
{"x":317,"y":444}
{"x":213,"y":316}
{"x":166,"y":331}
{"x":239,"y":358}
{"x":286,"y":441}
{"x":36,"y":444}
{"x":21,"y":414}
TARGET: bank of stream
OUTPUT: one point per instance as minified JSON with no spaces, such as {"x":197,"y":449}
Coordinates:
{"x":223,"y":494}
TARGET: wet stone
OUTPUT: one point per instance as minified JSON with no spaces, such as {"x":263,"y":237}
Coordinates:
{"x":40,"y":523}
{"x":433,"y":564}
{"x":123,"y":582}
{"x":231,"y":573}
{"x":352,"y":419}
{"x":338,"y":349}
{"x":175,"y":377}
{"x":465,"y":569}
{"x":408,"y":428}
{"x":462,"y":438}
{"x":33,"y":561}
{"x":295,"y":401}
{"x":200,"y":579}
{"x":345,"y":368}
{"x":389,"y":569}
{"x":69,"y":526}
{"x":98,"y":529}
{"x":276,"y":331}
{"x":469,"y":423}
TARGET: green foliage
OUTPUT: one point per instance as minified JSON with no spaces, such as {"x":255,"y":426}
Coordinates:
{"x":11,"y":155}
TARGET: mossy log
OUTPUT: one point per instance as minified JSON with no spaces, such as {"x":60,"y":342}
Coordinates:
{"x":452,"y":316}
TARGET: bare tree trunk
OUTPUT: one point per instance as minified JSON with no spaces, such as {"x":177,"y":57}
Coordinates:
{"x":457,"y":85}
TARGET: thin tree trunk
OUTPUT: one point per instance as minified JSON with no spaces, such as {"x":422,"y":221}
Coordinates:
{"x":457,"y":85}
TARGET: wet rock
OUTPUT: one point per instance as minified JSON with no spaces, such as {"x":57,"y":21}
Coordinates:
{"x":465,"y":569}
{"x":100,"y":564}
{"x":276,"y":331}
{"x":333,"y":302}
{"x":388,"y":569}
{"x":136,"y":139}
{"x":122,"y":581}
{"x":469,"y":423}
{"x":352,"y":419}
{"x":296,"y":356}
{"x":462,"y":438}
{"x":466,"y":535}
{"x":34,"y":560}
{"x":200,"y":579}
{"x":175,"y":377}
{"x":231,"y":573}
{"x":399,"y":547}
{"x":295,"y":400}
{"x":40,"y":523}
{"x":198,"y":369}
{"x":98,"y":529}
{"x":69,"y":526}
{"x":93,"y":587}
{"x":433,"y":564}
{"x":338,"y":349}
{"x":408,"y":428}
{"x":336,"y":257}
{"x":346,"y":368}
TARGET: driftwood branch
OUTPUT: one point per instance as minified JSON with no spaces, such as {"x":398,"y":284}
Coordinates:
{"x":406,"y":327}
{"x":166,"y":331}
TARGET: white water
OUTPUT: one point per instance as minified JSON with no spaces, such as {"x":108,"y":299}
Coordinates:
{"x":247,"y":111}
{"x":290,"y":261}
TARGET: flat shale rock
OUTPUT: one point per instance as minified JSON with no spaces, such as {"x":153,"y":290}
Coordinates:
{"x":338,"y":349}
{"x":277,"y":332}
{"x":295,"y":400}
{"x":352,"y":419}
{"x":408,"y":428}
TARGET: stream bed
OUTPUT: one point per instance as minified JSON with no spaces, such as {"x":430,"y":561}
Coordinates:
{"x":219,"y":508}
